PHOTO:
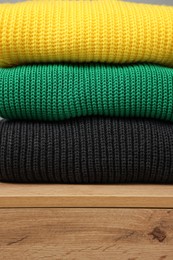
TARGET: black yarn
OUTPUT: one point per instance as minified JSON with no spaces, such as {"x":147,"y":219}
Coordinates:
{"x":87,"y":150}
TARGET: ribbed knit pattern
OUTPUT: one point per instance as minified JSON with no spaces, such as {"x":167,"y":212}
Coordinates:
{"x":84,"y":31}
{"x":87,"y":150}
{"x":56,"y":92}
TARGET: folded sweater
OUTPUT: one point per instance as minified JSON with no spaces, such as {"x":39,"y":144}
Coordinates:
{"x":56,"y":92}
{"x":85,"y":31}
{"x":87,"y":150}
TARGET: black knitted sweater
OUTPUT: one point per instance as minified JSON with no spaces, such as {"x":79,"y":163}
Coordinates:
{"x":87,"y":150}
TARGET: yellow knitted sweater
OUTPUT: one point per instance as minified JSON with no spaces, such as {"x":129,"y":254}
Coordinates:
{"x":85,"y":31}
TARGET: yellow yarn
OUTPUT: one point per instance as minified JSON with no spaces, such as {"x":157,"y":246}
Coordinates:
{"x":84,"y":31}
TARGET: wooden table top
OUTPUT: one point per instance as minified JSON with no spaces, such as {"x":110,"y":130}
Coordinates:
{"x":56,"y":195}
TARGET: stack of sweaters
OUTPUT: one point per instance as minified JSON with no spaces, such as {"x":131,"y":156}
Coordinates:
{"x":86,"y":90}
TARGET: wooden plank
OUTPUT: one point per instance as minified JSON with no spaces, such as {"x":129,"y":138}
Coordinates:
{"x":26,"y":195}
{"x":69,"y":234}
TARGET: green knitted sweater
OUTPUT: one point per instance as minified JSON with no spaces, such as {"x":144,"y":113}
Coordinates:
{"x":56,"y":92}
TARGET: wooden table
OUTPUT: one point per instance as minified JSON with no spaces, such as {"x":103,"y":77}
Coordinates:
{"x":86,"y":222}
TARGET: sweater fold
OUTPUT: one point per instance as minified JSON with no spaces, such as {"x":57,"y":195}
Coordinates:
{"x":85,"y":31}
{"x":87,"y":150}
{"x":57,"y":92}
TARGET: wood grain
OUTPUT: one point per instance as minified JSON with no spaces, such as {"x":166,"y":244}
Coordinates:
{"x":27,"y":195}
{"x":58,"y":234}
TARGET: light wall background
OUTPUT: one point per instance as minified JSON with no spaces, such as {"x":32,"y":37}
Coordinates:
{"x":160,"y":2}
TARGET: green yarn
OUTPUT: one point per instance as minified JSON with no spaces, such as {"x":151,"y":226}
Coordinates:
{"x":56,"y":92}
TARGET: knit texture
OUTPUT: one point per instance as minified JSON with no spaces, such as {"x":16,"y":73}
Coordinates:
{"x":84,"y":31}
{"x":87,"y":150}
{"x":56,"y":92}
